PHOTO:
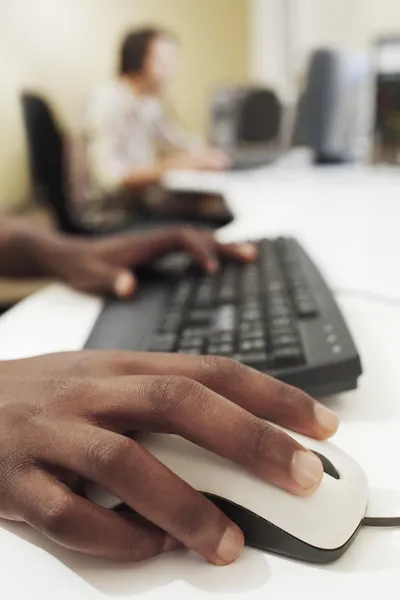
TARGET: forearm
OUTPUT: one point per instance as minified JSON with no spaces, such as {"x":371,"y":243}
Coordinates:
{"x":26,"y":250}
{"x":174,"y":137}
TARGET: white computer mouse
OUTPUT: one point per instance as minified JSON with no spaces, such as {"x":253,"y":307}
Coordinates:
{"x":319,"y":528}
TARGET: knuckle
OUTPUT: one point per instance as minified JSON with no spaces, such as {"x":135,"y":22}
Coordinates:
{"x":83,"y":363}
{"x":57,"y":516}
{"x":113,"y":361}
{"x":72,"y":388}
{"x":294,"y":401}
{"x":263,"y":443}
{"x":107,"y":457}
{"x":184,"y":233}
{"x":169,"y":394}
{"x":15,"y":463}
{"x":117,"y":362}
{"x":221,"y":369}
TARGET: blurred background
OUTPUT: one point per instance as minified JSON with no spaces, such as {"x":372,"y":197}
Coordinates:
{"x":64,"y":49}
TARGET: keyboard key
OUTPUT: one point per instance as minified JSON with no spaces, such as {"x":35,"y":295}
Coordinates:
{"x":279,"y":341}
{"x":252,"y":335}
{"x":307,"y":309}
{"x":191,"y":342}
{"x":251,"y":327}
{"x":252,"y":346}
{"x":182,"y":294}
{"x":227,"y":293}
{"x":251,"y":286}
{"x":163,"y":343}
{"x":224,"y":319}
{"x":279,"y":312}
{"x":275,"y":285}
{"x":280,"y":331}
{"x":221,"y":349}
{"x":250,"y":303}
{"x":281,"y":322}
{"x":204,"y":294}
{"x":301,"y":294}
{"x":171,"y":324}
{"x":190,"y":351}
{"x":252,"y":315}
{"x":190,"y":332}
{"x":223,"y":337}
{"x":200,"y":315}
{"x":288,"y":356}
{"x":296,"y":281}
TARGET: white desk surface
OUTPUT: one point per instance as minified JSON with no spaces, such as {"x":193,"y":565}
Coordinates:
{"x":348,"y":220}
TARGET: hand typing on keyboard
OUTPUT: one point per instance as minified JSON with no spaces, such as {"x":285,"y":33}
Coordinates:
{"x":63,"y":419}
{"x":105,"y":264}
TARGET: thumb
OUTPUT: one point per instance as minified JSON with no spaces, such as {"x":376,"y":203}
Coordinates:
{"x":108,"y":278}
{"x":124,"y":284}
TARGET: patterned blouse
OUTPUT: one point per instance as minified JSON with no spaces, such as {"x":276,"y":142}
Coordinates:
{"x":121,"y":131}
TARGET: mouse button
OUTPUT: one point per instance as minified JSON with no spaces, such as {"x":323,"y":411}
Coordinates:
{"x":329,"y":469}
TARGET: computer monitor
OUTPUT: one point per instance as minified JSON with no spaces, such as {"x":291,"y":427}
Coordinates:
{"x":334,"y":112}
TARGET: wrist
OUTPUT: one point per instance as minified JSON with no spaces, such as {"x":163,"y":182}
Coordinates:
{"x":42,"y":252}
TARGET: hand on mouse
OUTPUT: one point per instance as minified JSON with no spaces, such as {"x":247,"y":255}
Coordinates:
{"x":62,"y":420}
{"x":104,"y":265}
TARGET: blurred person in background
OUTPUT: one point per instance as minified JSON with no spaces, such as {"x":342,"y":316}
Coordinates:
{"x":129,"y":140}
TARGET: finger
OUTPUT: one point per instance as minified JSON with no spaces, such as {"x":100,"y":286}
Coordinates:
{"x":202,"y":247}
{"x":151,"y":490}
{"x":206,"y":250}
{"x":77,"y":524}
{"x":240,"y":252}
{"x":124,"y":284}
{"x":100,"y":277}
{"x":182,"y":406}
{"x":237,"y":252}
{"x":147,"y":247}
{"x":256,"y":392}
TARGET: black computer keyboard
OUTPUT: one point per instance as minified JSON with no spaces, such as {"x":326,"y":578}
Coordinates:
{"x":276,"y":315}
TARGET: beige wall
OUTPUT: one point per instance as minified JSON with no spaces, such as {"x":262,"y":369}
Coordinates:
{"x":64,"y":48}
{"x":352,"y":24}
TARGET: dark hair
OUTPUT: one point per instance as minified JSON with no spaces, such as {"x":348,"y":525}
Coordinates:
{"x":136,"y":46}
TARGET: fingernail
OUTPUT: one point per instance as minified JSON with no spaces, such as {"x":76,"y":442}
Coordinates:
{"x":230,"y":546}
{"x":307,"y":469}
{"x":124,"y":285}
{"x":326,"y":419}
{"x":248,"y":250}
{"x":170,"y":544}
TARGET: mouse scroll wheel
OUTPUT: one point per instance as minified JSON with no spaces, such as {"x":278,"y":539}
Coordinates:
{"x":329,"y":469}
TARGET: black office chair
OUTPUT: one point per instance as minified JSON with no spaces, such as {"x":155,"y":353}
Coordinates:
{"x":259,"y":117}
{"x":46,"y":149}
